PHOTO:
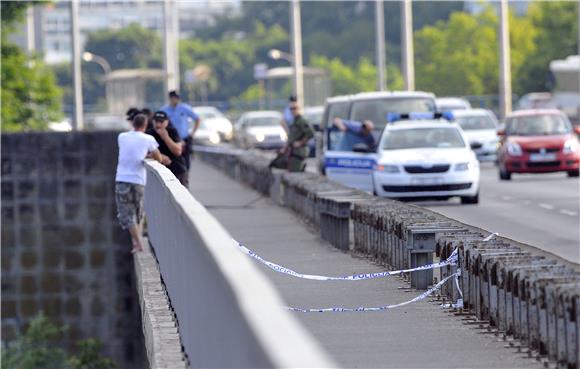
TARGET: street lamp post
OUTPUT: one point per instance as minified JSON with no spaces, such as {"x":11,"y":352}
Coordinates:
{"x":505,"y":77}
{"x":170,"y":35}
{"x":408,"y":49}
{"x":380,"y":44}
{"x":76,"y":62}
{"x":297,"y":52}
{"x":90,"y":57}
{"x":103,"y":63}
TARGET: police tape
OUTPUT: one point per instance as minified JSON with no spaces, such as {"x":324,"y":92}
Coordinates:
{"x":378,"y":308}
{"x":451,"y":260}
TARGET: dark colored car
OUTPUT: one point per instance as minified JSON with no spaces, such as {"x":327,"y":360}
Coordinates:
{"x":538,"y":141}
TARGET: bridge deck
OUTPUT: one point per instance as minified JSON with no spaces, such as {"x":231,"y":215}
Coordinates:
{"x":416,"y":335}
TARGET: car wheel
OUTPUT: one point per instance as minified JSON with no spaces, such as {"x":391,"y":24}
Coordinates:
{"x":470,"y":199}
{"x":574,"y":173}
{"x":504,"y":175}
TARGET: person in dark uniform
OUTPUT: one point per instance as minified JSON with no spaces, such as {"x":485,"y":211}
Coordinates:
{"x":293,"y":155}
{"x":149,"y":114}
{"x":171,"y":146}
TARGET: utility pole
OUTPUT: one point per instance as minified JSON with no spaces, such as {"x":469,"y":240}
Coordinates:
{"x":380,"y":44}
{"x":297,"y":51}
{"x":407,"y":42}
{"x":76,"y":61}
{"x":30,"y":30}
{"x":170,"y":52}
{"x":505,"y":78}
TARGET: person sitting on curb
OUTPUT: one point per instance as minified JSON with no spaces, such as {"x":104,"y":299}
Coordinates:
{"x":293,"y":155}
{"x":355,"y":133}
{"x":130,"y":179}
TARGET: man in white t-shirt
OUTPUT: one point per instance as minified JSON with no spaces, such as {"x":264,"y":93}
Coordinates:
{"x":134,"y":147}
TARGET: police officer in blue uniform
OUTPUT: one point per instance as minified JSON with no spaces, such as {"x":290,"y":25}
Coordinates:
{"x":179,"y":114}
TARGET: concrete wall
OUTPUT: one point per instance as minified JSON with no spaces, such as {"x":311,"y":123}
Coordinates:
{"x":160,"y":331}
{"x":63,"y":253}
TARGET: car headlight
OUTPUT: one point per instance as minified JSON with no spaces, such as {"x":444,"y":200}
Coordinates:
{"x":514,"y":149}
{"x":283,"y":136}
{"x":460,"y":167}
{"x":214,"y":138}
{"x":260,"y":137}
{"x":387,"y":168}
{"x":571,"y":146}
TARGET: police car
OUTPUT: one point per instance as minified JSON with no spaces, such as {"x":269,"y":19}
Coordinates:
{"x":351,"y":164}
{"x":425,"y":155}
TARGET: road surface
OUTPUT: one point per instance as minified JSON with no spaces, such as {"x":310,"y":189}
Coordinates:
{"x":540,"y":210}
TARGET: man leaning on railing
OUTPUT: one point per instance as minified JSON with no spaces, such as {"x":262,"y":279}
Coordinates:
{"x":134,"y":147}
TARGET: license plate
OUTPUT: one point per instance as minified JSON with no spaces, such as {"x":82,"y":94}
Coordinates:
{"x":543,"y":157}
{"x":427,"y":181}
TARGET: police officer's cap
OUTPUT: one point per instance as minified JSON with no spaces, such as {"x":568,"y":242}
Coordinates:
{"x":160,"y":116}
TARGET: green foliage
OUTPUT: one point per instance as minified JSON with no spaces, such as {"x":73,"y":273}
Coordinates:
{"x":39,"y":348}
{"x":461,"y":56}
{"x":30,"y":96}
{"x":89,"y":356}
{"x":361,"y":78}
{"x":12,"y":13}
{"x":129,"y":47}
{"x":556,"y":23}
{"x":231,"y":58}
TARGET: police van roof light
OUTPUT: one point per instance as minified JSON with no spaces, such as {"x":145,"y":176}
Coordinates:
{"x":394,"y":117}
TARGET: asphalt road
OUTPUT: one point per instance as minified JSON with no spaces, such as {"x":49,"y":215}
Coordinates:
{"x":542,"y":210}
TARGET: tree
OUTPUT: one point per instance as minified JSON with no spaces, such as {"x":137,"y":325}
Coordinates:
{"x":39,"y":347}
{"x":231,"y":58}
{"x":362,"y":78}
{"x":30,"y":96}
{"x":556,"y":23}
{"x":460,"y":56}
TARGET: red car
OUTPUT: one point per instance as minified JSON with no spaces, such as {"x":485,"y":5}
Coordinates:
{"x":538,"y":141}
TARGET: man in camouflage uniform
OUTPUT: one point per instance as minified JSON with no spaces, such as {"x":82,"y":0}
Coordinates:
{"x":293,"y":155}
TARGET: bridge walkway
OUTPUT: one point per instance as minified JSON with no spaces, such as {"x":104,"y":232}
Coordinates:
{"x":419,"y":335}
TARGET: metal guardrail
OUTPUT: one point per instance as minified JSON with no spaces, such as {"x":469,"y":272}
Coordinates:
{"x":520,"y":293}
{"x":229,"y":314}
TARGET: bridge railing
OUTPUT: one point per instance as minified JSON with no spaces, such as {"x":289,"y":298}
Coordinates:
{"x":519,"y":291}
{"x":229,"y":314}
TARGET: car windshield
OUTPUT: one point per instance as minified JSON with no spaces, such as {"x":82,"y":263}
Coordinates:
{"x":423,"y":138}
{"x":376,"y":110}
{"x":475,"y":122}
{"x":538,"y":125}
{"x":263,"y":121}
{"x":313,"y":117}
{"x":208,"y":113}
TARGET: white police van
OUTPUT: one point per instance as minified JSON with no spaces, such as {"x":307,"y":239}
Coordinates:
{"x":353,"y":164}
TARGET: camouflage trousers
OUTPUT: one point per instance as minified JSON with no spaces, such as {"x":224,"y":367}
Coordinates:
{"x":129,"y":199}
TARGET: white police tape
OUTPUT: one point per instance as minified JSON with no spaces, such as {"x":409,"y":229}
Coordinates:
{"x":379,"y":308}
{"x":492,"y":235}
{"x":451,"y":260}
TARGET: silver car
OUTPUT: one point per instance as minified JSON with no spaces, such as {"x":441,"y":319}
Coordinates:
{"x":260,"y":129}
{"x":480,"y":127}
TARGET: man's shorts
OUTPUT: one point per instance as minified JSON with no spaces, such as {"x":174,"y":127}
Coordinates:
{"x":129,"y":198}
